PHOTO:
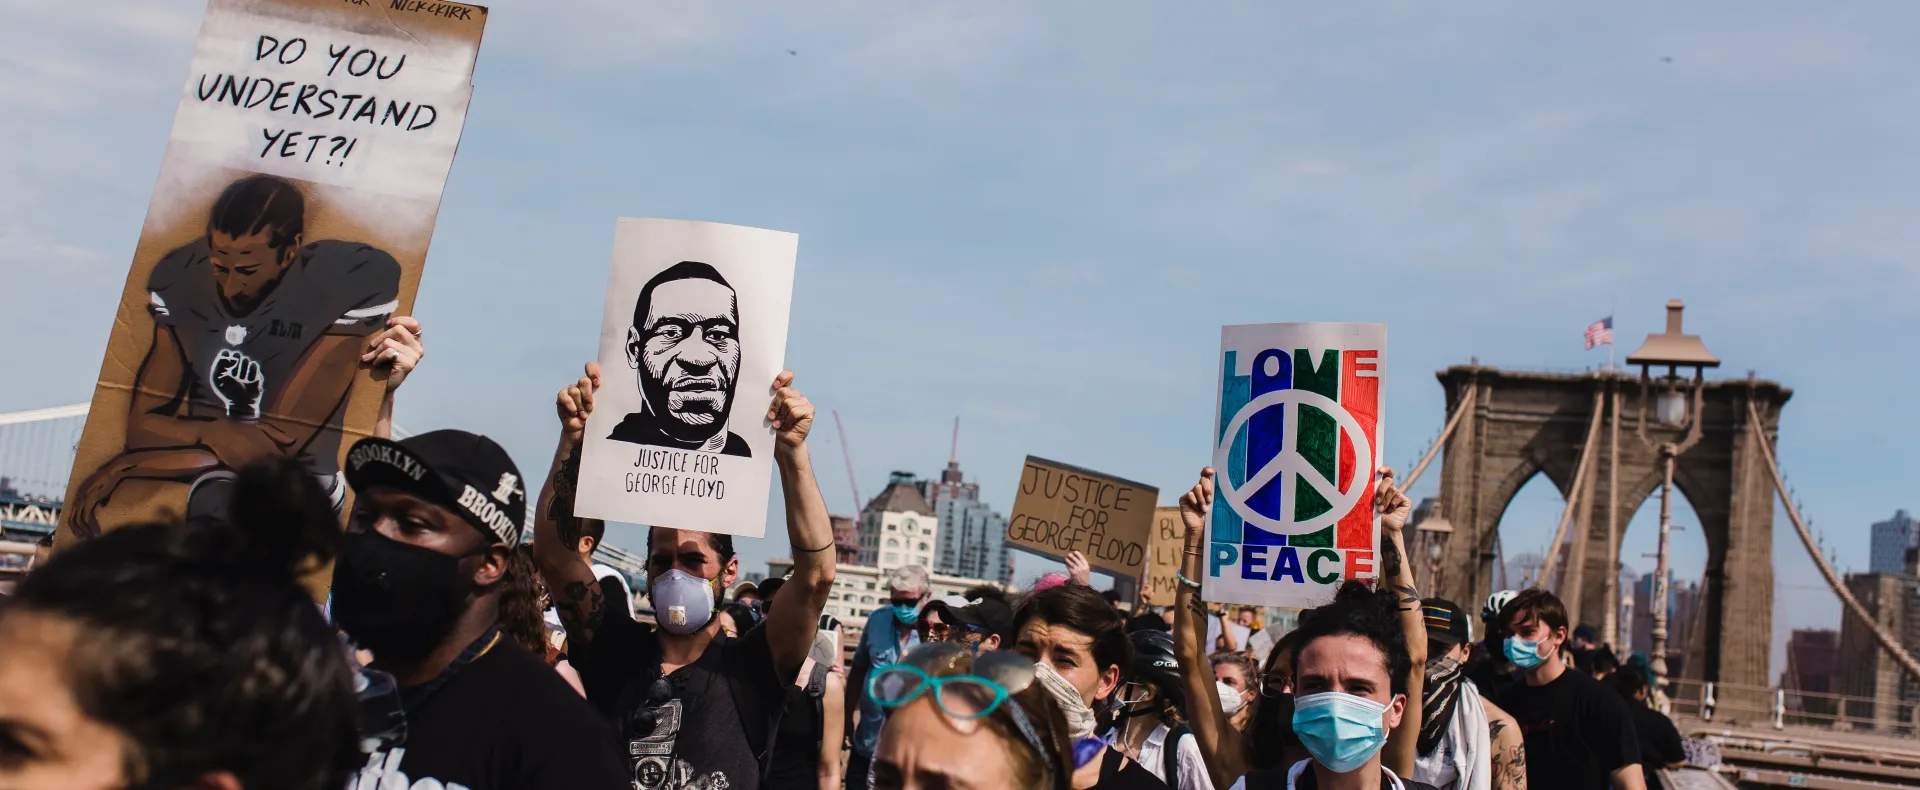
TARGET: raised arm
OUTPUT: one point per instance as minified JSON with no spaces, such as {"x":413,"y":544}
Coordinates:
{"x":556,"y":530}
{"x":393,"y":353}
{"x":795,"y":618}
{"x":1403,"y":743}
{"x":1221,"y":747}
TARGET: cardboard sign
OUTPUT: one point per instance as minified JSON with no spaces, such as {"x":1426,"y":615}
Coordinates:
{"x":1297,"y":440}
{"x":1063,"y":508}
{"x":291,"y":219}
{"x":694,"y":331}
{"x":1163,"y":565}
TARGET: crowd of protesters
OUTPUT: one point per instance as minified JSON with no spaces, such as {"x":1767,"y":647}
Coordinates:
{"x":449,"y":652}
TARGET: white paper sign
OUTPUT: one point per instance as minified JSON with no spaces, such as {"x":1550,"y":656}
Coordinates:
{"x":1297,"y":439}
{"x":694,"y":331}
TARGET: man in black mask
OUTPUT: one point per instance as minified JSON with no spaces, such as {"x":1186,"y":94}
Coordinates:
{"x":418,"y":582}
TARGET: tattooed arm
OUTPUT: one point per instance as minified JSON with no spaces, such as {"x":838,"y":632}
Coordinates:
{"x":1221,"y":747}
{"x":556,"y":531}
{"x":1397,"y":575}
{"x":1509,"y":751}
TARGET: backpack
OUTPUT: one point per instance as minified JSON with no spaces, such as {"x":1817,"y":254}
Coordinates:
{"x":816,"y":690}
{"x":1170,"y":756}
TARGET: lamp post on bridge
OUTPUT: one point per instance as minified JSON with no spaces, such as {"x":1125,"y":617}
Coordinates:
{"x":1674,"y":410}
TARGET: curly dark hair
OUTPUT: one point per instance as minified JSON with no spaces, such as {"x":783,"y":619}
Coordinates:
{"x":1361,"y":611}
{"x":198,"y":643}
{"x":520,"y":605}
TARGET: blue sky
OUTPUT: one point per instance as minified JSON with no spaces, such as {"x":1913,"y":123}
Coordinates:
{"x":1036,"y":216}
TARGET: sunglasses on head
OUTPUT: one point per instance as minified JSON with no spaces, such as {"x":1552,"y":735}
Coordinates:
{"x":988,"y":680}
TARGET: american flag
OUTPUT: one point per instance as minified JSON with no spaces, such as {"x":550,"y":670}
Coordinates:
{"x":1601,"y":333}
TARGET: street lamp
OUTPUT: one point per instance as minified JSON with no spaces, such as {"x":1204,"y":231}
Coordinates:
{"x":1433,"y":532}
{"x":1674,"y":410}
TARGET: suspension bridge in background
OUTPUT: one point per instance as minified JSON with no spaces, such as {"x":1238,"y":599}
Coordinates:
{"x":1502,"y":428}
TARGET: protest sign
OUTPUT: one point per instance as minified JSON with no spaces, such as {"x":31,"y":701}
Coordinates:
{"x":694,"y":331}
{"x":1297,"y":441}
{"x":291,"y":219}
{"x":1062,"y":508}
{"x":1166,"y":543}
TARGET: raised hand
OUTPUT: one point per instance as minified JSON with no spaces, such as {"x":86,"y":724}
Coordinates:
{"x":1394,"y":507}
{"x":1198,"y":500}
{"x":395,"y":351}
{"x":237,"y":380}
{"x":575,"y":402}
{"x":791,"y":414}
{"x":1079,"y":571}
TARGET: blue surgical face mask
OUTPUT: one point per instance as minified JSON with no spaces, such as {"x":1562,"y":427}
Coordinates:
{"x":1341,"y":731}
{"x":908,"y":613}
{"x":1523,"y":654}
{"x":682,"y":602}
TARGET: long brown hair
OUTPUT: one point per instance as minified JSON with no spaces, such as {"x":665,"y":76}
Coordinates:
{"x":520,"y":609}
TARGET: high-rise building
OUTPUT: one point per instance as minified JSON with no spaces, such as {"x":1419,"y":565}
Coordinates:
{"x":898,"y":527}
{"x":972,"y":536}
{"x":1812,"y":656}
{"x":1886,"y":695}
{"x":1683,"y":606}
{"x":1890,"y":540}
{"x":846,"y":539}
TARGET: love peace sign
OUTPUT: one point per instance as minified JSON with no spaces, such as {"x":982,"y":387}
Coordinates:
{"x":1290,"y":465}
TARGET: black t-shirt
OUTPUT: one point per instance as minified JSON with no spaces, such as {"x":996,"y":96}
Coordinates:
{"x":700,"y":738}
{"x":1276,"y":779}
{"x":506,"y":721}
{"x":1132,"y":777}
{"x":1577,"y":731}
{"x":1660,"y":742}
{"x":796,"y":750}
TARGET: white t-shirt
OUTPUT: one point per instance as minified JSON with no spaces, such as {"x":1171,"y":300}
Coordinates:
{"x":1190,"y":765}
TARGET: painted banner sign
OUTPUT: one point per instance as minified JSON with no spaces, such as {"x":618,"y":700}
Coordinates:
{"x":1297,"y":442}
{"x":288,"y":226}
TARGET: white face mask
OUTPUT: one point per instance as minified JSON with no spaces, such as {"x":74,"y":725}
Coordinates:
{"x":682,"y":602}
{"x":1230,"y":700}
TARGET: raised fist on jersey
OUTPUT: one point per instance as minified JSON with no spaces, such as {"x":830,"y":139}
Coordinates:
{"x":237,"y":381}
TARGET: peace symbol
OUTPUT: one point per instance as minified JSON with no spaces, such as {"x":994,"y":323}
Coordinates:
{"x":1290,"y":464}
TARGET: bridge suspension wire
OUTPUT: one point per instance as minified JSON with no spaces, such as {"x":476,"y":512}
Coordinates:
{"x":1852,"y":605}
{"x":1580,"y":473}
{"x":1466,"y":404}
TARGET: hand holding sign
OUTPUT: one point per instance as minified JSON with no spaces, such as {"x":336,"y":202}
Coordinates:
{"x":575,"y":402}
{"x":1394,"y":506}
{"x":1196,"y":502}
{"x":1078,"y":571}
{"x":791,"y":414}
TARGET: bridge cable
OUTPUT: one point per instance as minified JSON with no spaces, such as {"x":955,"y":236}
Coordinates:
{"x":1852,"y":605}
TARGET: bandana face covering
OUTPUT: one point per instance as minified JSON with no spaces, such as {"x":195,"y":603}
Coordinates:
{"x":1442,"y":690}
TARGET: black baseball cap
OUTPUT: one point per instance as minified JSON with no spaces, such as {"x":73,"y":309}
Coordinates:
{"x":1446,"y":621}
{"x":466,"y":473}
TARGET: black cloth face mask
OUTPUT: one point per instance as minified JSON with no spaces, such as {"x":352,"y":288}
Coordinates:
{"x":396,"y":599}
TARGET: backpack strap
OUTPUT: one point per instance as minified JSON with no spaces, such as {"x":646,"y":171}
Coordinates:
{"x":1170,"y":755}
{"x":816,"y":691}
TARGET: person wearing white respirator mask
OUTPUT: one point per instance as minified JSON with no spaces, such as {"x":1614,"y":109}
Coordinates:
{"x":695,"y":708}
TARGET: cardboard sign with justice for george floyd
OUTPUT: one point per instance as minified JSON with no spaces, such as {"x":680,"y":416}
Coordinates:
{"x":1297,"y":441}
{"x":1063,"y":508}
{"x":290,"y":221}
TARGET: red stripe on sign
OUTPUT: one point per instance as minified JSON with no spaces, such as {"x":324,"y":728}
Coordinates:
{"x":1360,"y":396}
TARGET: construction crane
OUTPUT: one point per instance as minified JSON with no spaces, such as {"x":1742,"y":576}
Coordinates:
{"x":846,"y":452}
